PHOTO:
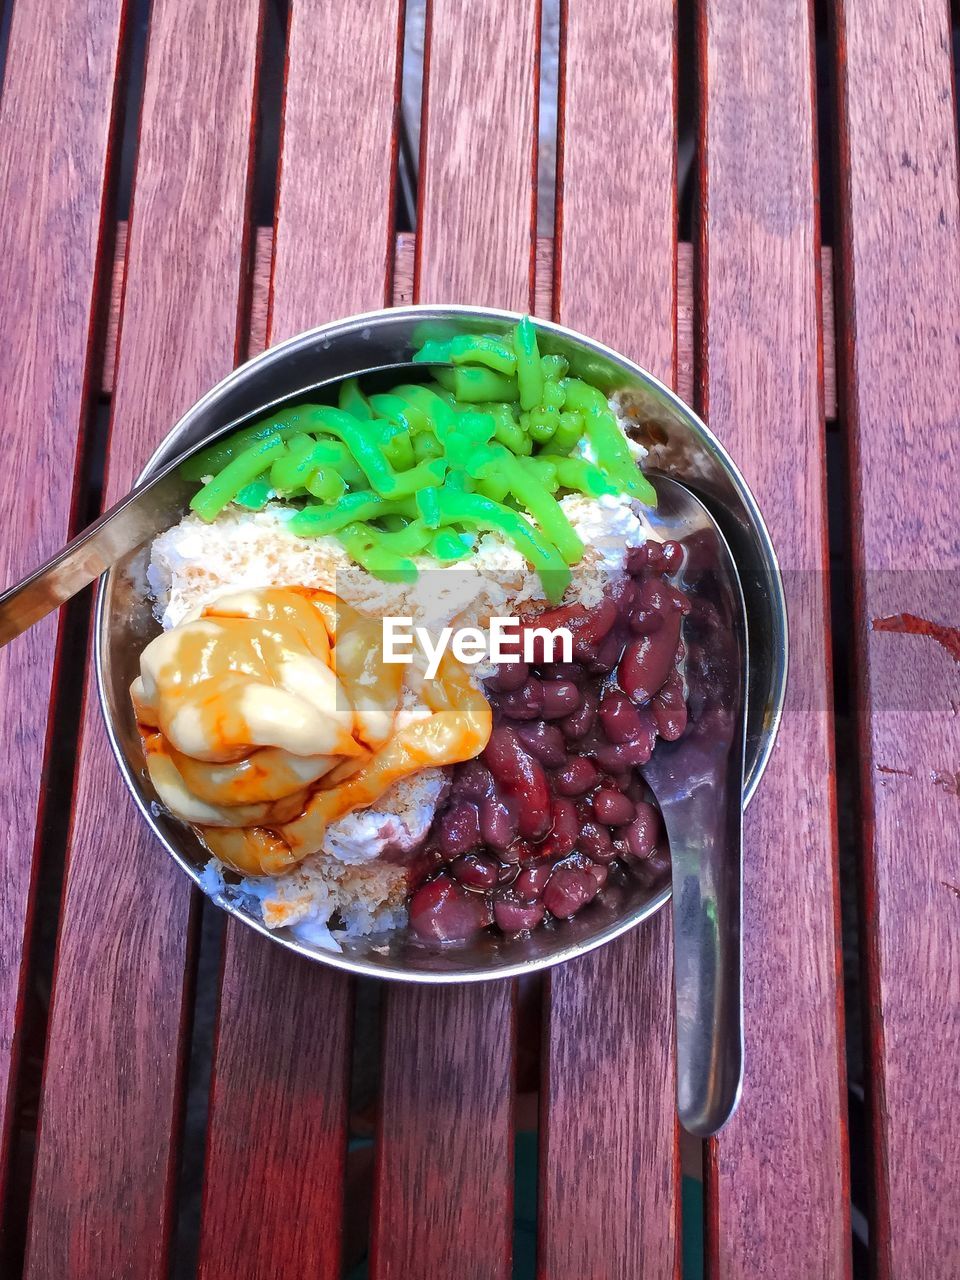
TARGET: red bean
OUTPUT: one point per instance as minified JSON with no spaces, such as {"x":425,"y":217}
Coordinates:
{"x":517,"y":917}
{"x":619,"y":717}
{"x":590,"y":630}
{"x":596,"y":843}
{"x":568,"y":890}
{"x":648,"y":660}
{"x":640,"y":558}
{"x":560,"y":698}
{"x":566,"y":829}
{"x":612,"y":807}
{"x":608,"y":654}
{"x":642,"y":833}
{"x":587,"y":626}
{"x":521,"y":778}
{"x":576,"y":777}
{"x":440,"y":911}
{"x":581,"y":722}
{"x":459,"y":829}
{"x":620,"y":755}
{"x":545,"y":741}
{"x":672,"y":690}
{"x":653,"y":870}
{"x":655,"y":555}
{"x":624,"y":594}
{"x":654,"y":595}
{"x":507,"y":873}
{"x":655,"y":600}
{"x":672,"y":556}
{"x":531,"y":882}
{"x":474,"y":781}
{"x":659,"y":860}
{"x":599,"y":874}
{"x":498,"y":824}
{"x":475,"y":871}
{"x":510,"y":676}
{"x":643,"y":622}
{"x":567,"y":615}
{"x":525,"y":703}
{"x":671,"y":718}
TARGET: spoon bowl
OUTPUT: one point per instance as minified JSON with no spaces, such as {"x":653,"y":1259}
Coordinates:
{"x":698,"y":783}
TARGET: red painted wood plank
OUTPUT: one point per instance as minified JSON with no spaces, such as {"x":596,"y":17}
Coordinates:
{"x":609,"y":1152}
{"x":900,"y":357}
{"x":478,"y":154}
{"x":107,"y":1150}
{"x":56,"y":121}
{"x":761,"y":391}
{"x":610,"y":1166}
{"x":444,"y":1180}
{"x":443,"y":1195}
{"x":279,"y":1101}
{"x":543,"y":303}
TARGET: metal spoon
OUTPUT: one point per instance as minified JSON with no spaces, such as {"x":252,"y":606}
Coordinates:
{"x":698,"y":784}
{"x":134,"y":520}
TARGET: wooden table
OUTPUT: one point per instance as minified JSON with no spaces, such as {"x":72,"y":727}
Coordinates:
{"x":744,"y":335}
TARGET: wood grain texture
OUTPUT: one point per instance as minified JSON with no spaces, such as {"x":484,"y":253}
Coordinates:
{"x":273,"y":1190}
{"x":478,"y":154}
{"x":761,"y":391}
{"x":608,"y":1105}
{"x":403,"y":263}
{"x":333,"y":234}
{"x":443,"y":1202}
{"x":900,"y":351}
{"x":609,"y":1157}
{"x":443,"y":1194}
{"x":278,"y":1117}
{"x":107,"y":1147}
{"x":616,"y":225}
{"x":56,"y":120}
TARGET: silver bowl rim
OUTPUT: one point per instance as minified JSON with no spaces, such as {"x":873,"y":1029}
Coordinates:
{"x":345,"y":961}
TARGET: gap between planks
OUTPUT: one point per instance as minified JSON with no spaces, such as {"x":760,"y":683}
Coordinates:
{"x":403,"y":294}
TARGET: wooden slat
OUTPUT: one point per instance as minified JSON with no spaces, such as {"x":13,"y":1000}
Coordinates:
{"x":444,"y":1184}
{"x":107,"y":1150}
{"x":609,"y":1144}
{"x":478,"y":154}
{"x":279,"y":1101}
{"x":443,"y":1195}
{"x":777,"y":1182}
{"x":542,"y":305}
{"x":900,"y":351}
{"x":55,"y":128}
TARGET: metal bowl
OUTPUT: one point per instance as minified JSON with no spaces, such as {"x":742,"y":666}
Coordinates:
{"x":679,"y":444}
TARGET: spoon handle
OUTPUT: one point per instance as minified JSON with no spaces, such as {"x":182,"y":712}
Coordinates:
{"x":137,"y":517}
{"x":151,"y":507}
{"x":706,"y":858}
